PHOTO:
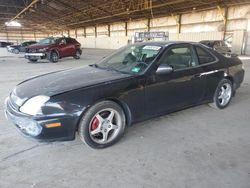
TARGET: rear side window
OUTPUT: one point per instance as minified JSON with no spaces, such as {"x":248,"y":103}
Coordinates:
{"x":179,"y":57}
{"x":70,"y":40}
{"x":203,"y":56}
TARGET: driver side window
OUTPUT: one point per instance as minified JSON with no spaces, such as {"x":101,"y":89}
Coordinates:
{"x":179,"y":57}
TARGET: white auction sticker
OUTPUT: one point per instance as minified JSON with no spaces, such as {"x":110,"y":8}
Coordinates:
{"x":151,"y":47}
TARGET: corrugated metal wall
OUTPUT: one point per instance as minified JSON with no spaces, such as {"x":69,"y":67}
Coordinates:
{"x":18,"y":36}
{"x":194,"y":26}
{"x":205,"y":25}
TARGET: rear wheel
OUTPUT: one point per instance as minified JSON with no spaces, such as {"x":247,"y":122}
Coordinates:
{"x":33,"y":60}
{"x":16,"y":51}
{"x":102,"y":125}
{"x":78,"y":54}
{"x":54,"y":57}
{"x":223,"y":94}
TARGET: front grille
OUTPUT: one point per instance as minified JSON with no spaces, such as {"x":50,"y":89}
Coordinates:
{"x":32,"y":50}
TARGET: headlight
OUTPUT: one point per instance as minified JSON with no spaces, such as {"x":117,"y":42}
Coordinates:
{"x":34,"y":104}
{"x":42,"y":50}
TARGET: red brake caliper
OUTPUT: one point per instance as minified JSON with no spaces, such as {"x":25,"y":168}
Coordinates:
{"x":94,"y":124}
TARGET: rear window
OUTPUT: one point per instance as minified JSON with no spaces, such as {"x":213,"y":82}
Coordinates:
{"x":204,"y":56}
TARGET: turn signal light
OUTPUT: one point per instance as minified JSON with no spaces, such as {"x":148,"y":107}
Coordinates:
{"x":50,"y":125}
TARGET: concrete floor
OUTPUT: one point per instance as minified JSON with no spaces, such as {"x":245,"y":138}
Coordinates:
{"x":199,"y":147}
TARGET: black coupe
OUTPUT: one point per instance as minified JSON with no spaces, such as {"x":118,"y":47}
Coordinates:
{"x":135,"y":83}
{"x":21,"y":47}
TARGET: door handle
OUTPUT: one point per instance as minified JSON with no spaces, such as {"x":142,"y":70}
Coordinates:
{"x":197,"y":76}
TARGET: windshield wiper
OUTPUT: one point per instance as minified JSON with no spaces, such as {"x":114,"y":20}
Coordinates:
{"x":113,"y":69}
{"x":108,"y":68}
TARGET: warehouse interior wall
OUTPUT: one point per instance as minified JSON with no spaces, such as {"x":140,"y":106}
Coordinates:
{"x":17,"y":35}
{"x":195,"y":26}
{"x":231,"y":24}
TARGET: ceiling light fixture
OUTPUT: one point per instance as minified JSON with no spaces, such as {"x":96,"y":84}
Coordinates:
{"x":13,"y":24}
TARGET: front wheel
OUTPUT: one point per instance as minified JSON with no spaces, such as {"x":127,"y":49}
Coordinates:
{"x":102,"y":125}
{"x":223,"y":94}
{"x":54,"y":57}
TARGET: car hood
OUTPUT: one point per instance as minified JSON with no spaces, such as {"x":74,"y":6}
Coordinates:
{"x":14,"y":46}
{"x":39,"y":46}
{"x":62,"y":81}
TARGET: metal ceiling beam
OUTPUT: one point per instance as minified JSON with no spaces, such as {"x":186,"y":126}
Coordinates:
{"x":25,"y":9}
{"x":126,"y":12}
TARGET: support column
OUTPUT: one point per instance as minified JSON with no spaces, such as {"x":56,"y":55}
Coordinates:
{"x":225,"y":23}
{"x":21,"y":34}
{"x":179,"y":24}
{"x":126,"y":29}
{"x":108,"y":30}
{"x":224,"y":14}
{"x":84,"y":32}
{"x":7,"y":34}
{"x":76,"y":33}
{"x":148,"y":25}
{"x":95,"y":32}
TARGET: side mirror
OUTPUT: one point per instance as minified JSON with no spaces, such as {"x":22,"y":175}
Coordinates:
{"x":164,"y":69}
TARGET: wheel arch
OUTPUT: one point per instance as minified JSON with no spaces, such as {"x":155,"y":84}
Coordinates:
{"x":229,"y":77}
{"x":123,"y":105}
{"x":125,"y":109}
{"x":54,"y":50}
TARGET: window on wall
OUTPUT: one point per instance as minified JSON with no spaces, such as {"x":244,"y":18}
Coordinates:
{"x":203,"y":56}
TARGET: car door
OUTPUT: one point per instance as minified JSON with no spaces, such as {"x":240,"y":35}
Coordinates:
{"x":71,"y":46}
{"x":213,"y":73}
{"x":62,"y":47}
{"x":183,"y":87}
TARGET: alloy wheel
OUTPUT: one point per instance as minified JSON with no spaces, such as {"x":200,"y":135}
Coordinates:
{"x":105,"y":126}
{"x":225,"y":94}
{"x":54,"y":57}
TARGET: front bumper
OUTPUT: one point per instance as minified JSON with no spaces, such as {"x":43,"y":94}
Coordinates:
{"x":35,"y":56}
{"x":9,"y":49}
{"x":24,"y":123}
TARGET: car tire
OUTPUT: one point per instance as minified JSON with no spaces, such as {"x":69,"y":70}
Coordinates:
{"x":77,"y":55}
{"x":223,"y":94}
{"x":54,"y":57}
{"x":33,"y":60}
{"x":102,"y":125}
{"x":16,"y":51}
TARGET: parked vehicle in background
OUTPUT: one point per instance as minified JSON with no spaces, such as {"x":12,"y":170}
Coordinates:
{"x":5,"y":44}
{"x":218,"y":45}
{"x":21,"y":47}
{"x":135,"y":83}
{"x":54,"y":48}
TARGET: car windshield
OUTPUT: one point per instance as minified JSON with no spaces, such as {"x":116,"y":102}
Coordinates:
{"x":132,"y":59}
{"x":47,"y":41}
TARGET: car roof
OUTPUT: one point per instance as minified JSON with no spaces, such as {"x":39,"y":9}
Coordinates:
{"x":166,"y":43}
{"x":211,"y":40}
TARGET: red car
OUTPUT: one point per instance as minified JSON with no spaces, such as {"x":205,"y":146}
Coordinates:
{"x":53,"y":49}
